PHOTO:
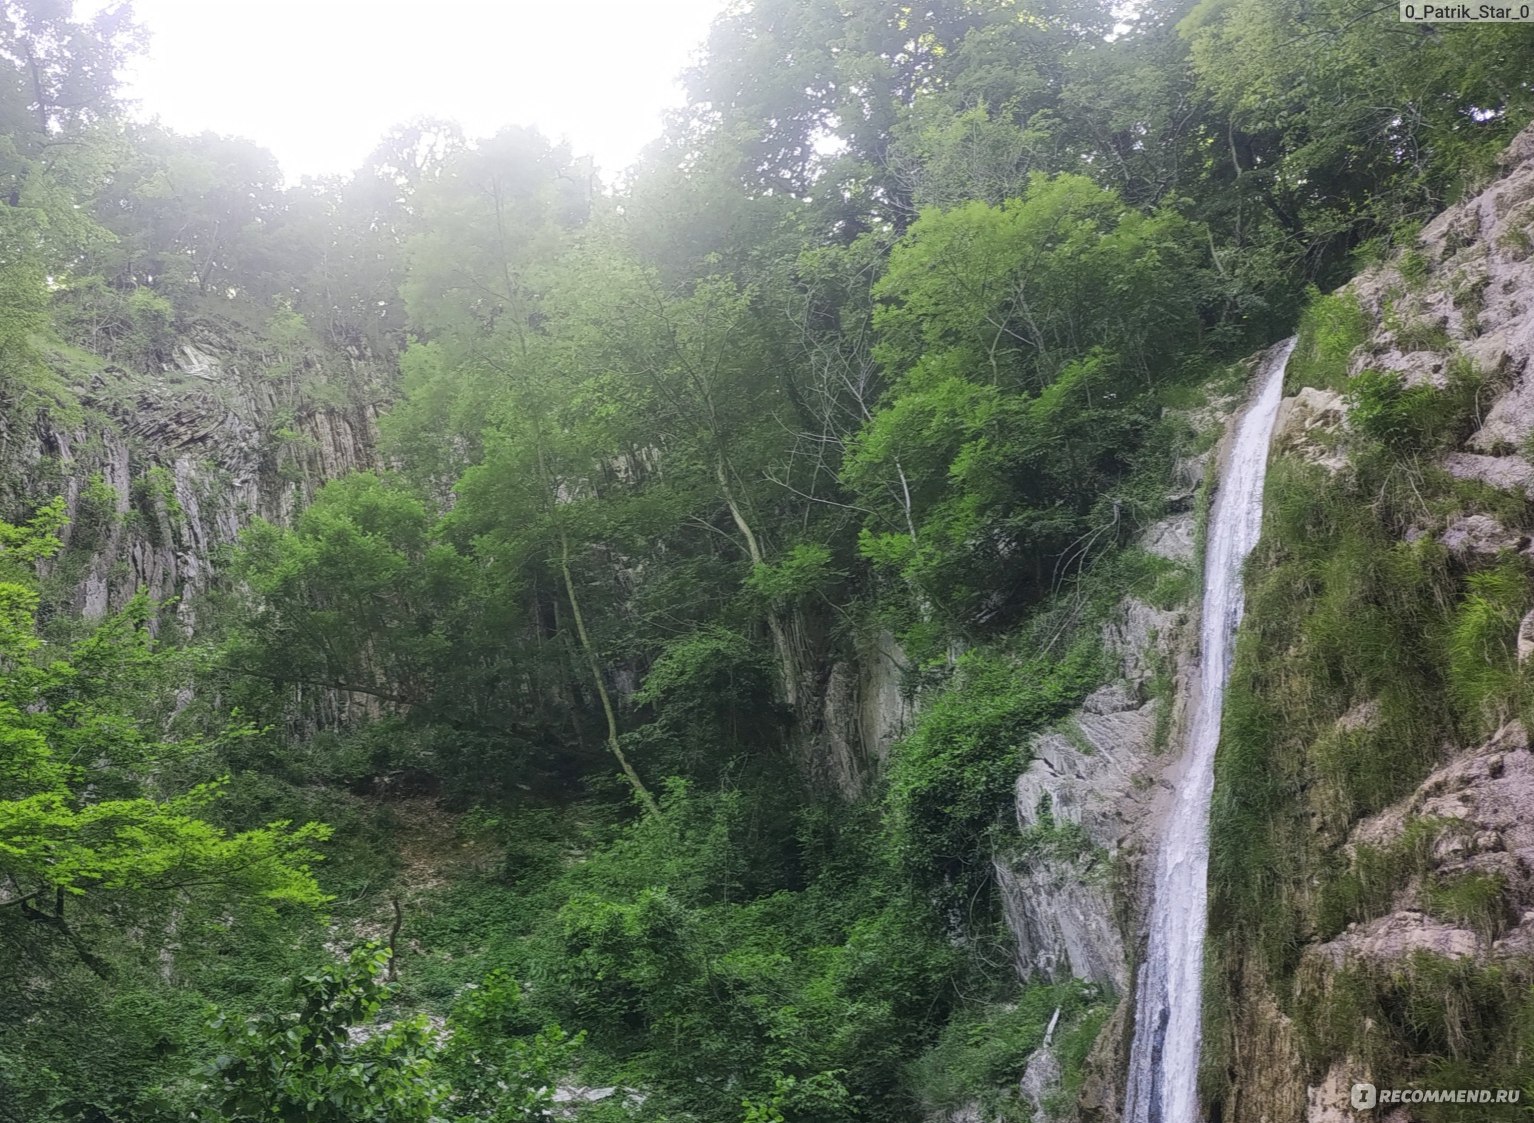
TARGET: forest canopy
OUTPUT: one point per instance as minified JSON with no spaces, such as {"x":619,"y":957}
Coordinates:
{"x":870,"y":353}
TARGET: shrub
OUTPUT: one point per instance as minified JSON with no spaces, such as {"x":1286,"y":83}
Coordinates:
{"x":950,"y":776}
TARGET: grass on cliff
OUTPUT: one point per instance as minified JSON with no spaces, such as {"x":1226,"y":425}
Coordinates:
{"x":1363,"y":658}
{"x":1332,"y":327}
{"x":981,"y":1054}
{"x":1429,"y":1022}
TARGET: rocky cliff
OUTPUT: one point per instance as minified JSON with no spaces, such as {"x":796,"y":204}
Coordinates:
{"x":1411,"y":920}
{"x":160,"y":469}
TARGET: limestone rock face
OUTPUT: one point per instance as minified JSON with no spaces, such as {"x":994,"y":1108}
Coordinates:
{"x":1061,"y":915}
{"x":863,"y":712}
{"x":1478,"y":294}
{"x":1170,"y":538}
{"x":1482,"y":801}
{"x":192,"y":452}
{"x":1481,"y":534}
{"x":1507,"y":473}
{"x":1487,"y":794}
{"x":1076,"y":804}
{"x":1040,"y":1078}
{"x":1526,"y":637}
{"x":1306,"y":421}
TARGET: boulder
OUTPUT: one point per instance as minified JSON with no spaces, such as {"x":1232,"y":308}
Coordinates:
{"x":1480,"y":535}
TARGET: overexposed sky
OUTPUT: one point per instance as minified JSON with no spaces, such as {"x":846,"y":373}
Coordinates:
{"x":319,"y":81}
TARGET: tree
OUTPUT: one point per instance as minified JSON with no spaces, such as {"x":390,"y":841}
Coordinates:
{"x":68,"y":69}
{"x":1020,"y":341}
{"x":79,"y":815}
{"x":323,"y":1062}
{"x":327,"y":1059}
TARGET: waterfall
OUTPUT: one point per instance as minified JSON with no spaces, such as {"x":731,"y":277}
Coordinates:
{"x":1163,"y":1058}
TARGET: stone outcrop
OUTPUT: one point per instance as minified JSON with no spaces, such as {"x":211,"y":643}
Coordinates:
{"x":864,"y":710}
{"x":1307,"y":425}
{"x":1480,"y":535}
{"x":1076,"y":804}
{"x":1040,"y":1078}
{"x":1477,"y":295}
{"x":192,"y":452}
{"x":1171,"y":538}
{"x":1506,"y":473}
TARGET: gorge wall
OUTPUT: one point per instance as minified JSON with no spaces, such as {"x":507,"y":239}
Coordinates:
{"x":1393,"y":942}
{"x":160,"y":469}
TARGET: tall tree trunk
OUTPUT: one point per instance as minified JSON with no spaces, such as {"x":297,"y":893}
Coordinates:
{"x":596,"y":677}
{"x":787,"y":664}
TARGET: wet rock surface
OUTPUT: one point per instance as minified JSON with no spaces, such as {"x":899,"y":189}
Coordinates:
{"x":1308,"y":425}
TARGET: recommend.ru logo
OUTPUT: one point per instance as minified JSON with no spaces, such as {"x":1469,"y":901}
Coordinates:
{"x":1366,"y":1096}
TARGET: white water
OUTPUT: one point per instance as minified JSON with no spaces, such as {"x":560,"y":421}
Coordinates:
{"x":1163,"y":1059}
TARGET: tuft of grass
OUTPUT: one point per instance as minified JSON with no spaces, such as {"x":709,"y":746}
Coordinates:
{"x":1331,"y":328}
{"x":1413,"y":267}
{"x":1516,"y":243}
{"x":1481,"y":644}
{"x":1422,"y":335}
{"x":1430,"y":1021}
{"x":1475,"y":900}
{"x":1367,"y":887}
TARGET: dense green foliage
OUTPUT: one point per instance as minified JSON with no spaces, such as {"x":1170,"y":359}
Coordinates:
{"x":864,"y":370}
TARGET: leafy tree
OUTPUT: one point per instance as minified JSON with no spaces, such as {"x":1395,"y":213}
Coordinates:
{"x":1021,"y":341}
{"x":78,"y":816}
{"x":323,"y":1062}
{"x":1339,"y":125}
{"x":359,"y":597}
{"x":327,"y":1059}
{"x":70,"y":67}
{"x":500,"y":1068}
{"x":106,"y":844}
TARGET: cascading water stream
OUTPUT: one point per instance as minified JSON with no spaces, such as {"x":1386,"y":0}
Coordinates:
{"x":1163,"y":1058}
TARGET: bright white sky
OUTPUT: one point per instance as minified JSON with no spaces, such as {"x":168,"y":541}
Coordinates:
{"x":319,"y":81}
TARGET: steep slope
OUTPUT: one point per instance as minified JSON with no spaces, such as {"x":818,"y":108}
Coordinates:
{"x":159,"y":469}
{"x":1371,"y":899}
